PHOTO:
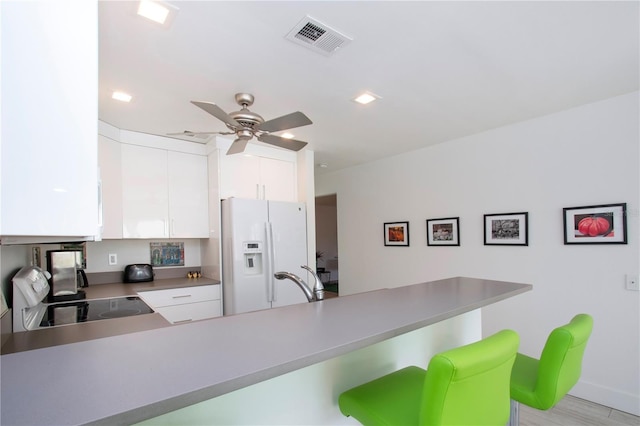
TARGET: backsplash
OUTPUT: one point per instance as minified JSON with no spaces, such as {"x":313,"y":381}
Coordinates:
{"x":12,"y":258}
{"x":134,"y":251}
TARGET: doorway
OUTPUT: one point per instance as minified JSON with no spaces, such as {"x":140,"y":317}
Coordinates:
{"x":327,"y":243}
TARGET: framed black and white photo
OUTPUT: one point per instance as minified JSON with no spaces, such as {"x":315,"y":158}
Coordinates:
{"x":603,"y":224}
{"x":396,"y":234}
{"x":443,"y":232}
{"x":506,"y":229}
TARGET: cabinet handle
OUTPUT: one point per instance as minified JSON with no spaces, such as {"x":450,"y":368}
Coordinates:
{"x":184,"y":320}
{"x":264,"y":192}
{"x":257,"y":191}
{"x":181,"y":296}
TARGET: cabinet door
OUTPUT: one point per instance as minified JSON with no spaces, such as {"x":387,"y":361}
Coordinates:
{"x":188,"y":196}
{"x":180,"y":296}
{"x":145,"y":199}
{"x":240,"y":176}
{"x":278,"y":180}
{"x":191,"y":311}
{"x":49,"y":95}
{"x":256,"y":177}
{"x":110,"y":161}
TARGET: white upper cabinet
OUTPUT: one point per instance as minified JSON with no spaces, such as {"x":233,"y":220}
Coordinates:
{"x":254,"y":175}
{"x":49,"y":96}
{"x":110,"y":162}
{"x":278,"y":179}
{"x":164,"y":194}
{"x":145,"y":195}
{"x":188,"y":196}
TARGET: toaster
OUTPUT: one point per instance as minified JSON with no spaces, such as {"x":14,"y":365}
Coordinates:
{"x":138,"y":273}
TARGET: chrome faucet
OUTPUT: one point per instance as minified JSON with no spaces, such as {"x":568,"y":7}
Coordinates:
{"x":312,"y":295}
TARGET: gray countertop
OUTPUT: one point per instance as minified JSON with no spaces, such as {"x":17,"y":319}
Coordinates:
{"x":37,"y":339}
{"x":131,"y":377}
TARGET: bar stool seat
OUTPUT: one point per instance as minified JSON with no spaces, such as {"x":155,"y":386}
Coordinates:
{"x":541,"y":383}
{"x":468,"y":385}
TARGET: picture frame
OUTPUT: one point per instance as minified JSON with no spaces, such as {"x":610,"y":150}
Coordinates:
{"x":506,"y":229}
{"x":443,"y":231}
{"x":396,"y":234}
{"x":599,"y":224}
{"x":166,"y":254}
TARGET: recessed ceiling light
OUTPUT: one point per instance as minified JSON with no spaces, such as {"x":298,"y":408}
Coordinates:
{"x":157,"y":11}
{"x":287,"y":136}
{"x":366,"y":98}
{"x":121,"y":96}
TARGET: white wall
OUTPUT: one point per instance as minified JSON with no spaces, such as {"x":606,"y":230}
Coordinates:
{"x":584,"y":156}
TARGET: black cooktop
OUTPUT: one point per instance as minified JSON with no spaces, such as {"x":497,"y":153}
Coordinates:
{"x":93,"y":310}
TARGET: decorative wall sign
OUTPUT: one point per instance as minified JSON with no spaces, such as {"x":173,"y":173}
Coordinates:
{"x":167,"y":254}
{"x":396,"y":234}
{"x":443,"y":232}
{"x":506,"y":229}
{"x":603,"y":224}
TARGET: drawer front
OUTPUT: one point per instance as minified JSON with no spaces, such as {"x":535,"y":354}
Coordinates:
{"x":191,"y":311}
{"x":180,"y":296}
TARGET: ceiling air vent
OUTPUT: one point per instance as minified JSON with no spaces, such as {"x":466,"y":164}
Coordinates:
{"x":317,"y":36}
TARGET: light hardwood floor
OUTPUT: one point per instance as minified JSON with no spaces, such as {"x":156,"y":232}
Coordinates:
{"x":572,"y":411}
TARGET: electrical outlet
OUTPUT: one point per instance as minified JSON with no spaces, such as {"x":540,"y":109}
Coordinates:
{"x":113,"y":259}
{"x":631,"y":282}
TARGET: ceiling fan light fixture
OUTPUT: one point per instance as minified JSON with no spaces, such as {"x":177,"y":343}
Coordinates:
{"x":121,"y":96}
{"x":366,"y":98}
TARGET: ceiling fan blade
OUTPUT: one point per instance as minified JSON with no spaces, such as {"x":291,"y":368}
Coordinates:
{"x":190,"y":133}
{"x":289,"y":121}
{"x":291,"y":144}
{"x":237,"y":146}
{"x":217,"y":112}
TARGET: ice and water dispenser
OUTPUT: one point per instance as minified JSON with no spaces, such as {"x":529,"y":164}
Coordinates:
{"x":252,"y":251}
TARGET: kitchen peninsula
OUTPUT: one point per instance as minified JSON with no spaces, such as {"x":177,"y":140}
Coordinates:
{"x":142,"y":375}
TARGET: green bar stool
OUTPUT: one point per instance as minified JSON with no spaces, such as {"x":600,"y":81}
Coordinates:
{"x":468,"y":385}
{"x":542,"y":383}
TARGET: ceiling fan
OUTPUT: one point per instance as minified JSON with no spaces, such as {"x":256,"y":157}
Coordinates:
{"x":246,"y":124}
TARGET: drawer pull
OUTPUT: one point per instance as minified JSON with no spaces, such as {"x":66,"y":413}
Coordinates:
{"x":181,"y":296}
{"x":184,"y":320}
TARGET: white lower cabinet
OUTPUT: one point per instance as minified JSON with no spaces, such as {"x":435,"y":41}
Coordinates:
{"x":190,"y":311}
{"x":185,"y":304}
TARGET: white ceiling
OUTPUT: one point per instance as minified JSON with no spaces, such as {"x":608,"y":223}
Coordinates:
{"x":443,"y":69}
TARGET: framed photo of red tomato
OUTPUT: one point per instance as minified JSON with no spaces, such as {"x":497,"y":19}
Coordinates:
{"x":603,"y":224}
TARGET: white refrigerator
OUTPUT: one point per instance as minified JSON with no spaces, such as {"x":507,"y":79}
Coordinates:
{"x":259,"y":238}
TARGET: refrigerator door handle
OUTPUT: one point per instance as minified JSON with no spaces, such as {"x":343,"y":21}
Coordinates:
{"x":271,"y":291}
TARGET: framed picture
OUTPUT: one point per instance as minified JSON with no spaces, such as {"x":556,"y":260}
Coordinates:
{"x":167,"y":254}
{"x":604,"y":224}
{"x":443,"y":232}
{"x":506,"y":229}
{"x":396,"y":234}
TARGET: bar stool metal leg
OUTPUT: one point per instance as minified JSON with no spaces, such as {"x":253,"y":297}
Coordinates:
{"x":514,"y":417}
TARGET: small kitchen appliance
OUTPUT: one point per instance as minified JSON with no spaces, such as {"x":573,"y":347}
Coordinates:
{"x":30,"y":287}
{"x":64,"y":267}
{"x":138,"y":273}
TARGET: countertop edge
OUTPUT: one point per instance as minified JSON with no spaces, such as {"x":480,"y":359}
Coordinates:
{"x":405,"y":309}
{"x":181,"y":401}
